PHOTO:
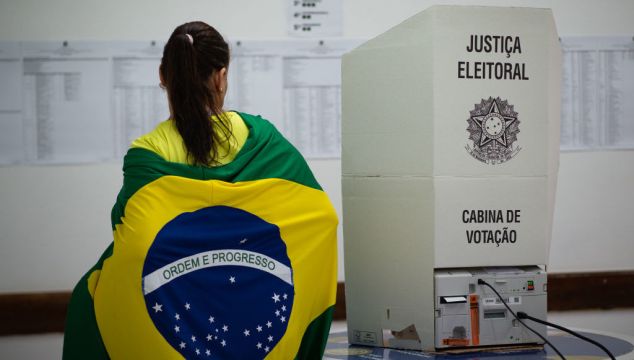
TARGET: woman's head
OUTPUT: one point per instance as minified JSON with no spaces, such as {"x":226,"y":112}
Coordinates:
{"x":194,"y":72}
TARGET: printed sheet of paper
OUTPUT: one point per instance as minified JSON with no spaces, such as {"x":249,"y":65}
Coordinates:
{"x":597,"y":109}
{"x":310,"y":18}
{"x":139,"y":102}
{"x":66,"y":98}
{"x":255,"y":79}
{"x":296,"y":84}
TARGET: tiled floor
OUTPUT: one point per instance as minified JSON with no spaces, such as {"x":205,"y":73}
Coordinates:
{"x":49,"y":346}
{"x":612,"y":321}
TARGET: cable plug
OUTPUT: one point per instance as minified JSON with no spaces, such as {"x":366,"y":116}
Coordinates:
{"x":481,"y":282}
{"x":522,"y":315}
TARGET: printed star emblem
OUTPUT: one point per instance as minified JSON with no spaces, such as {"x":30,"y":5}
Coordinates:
{"x":283,"y":319}
{"x":211,"y":320}
{"x":177,"y":317}
{"x":285,"y":296}
{"x":209,"y":337}
{"x":232,"y":280}
{"x":157,"y":307}
{"x":270,"y":338}
{"x":277,"y":313}
{"x":197,"y":352}
{"x":182,"y":345}
{"x":187,"y":306}
{"x":225,"y":328}
{"x":207,"y":352}
{"x":275,"y":297}
{"x":259,"y":345}
{"x":177,"y":328}
{"x":283,"y":307}
{"x":223,"y":343}
{"x":259,"y":328}
{"x":269,"y":324}
{"x":267,"y":349}
{"x":246,"y":332}
{"x":193,"y":338}
{"x":493,"y":125}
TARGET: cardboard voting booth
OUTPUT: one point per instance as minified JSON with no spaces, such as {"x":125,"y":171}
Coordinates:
{"x":450,"y":151}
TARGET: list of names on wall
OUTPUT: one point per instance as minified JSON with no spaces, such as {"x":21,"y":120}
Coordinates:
{"x":85,"y":102}
{"x":597,"y":104}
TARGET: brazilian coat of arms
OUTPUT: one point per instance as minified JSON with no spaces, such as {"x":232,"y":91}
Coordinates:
{"x":493,"y":128}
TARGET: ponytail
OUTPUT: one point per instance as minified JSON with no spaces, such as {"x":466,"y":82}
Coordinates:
{"x":194,"y":52}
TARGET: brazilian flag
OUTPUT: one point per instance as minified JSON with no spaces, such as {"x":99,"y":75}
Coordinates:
{"x":230,"y":262}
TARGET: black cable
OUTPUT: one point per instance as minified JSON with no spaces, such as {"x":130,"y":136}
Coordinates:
{"x":482,"y":282}
{"x":524,"y":315}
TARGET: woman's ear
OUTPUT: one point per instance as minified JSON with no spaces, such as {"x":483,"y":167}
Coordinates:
{"x":220,"y":80}
{"x":162,"y":83}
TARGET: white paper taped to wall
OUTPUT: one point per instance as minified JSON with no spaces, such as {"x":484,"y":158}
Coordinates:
{"x":306,"y":18}
{"x":296,"y":84}
{"x":139,"y":104}
{"x":597,"y":109}
{"x":66,"y":108}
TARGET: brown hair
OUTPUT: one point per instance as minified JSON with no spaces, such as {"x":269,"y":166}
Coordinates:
{"x":193,"y":53}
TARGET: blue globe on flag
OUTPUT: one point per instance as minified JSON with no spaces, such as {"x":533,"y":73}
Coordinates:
{"x":218,"y":283}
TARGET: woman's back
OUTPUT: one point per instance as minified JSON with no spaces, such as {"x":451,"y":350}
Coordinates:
{"x":224,"y":242}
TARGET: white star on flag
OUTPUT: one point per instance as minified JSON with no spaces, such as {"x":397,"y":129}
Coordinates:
{"x":275,"y":297}
{"x":277,"y":313}
{"x":211,"y":320}
{"x":216,"y":337}
{"x":207,"y":352}
{"x":223,"y":343}
{"x":259,"y":328}
{"x":232,"y":279}
{"x":266,"y":349}
{"x":225,"y":328}
{"x":285,"y":296}
{"x":157,"y":307}
{"x":246,"y":332}
{"x":177,"y":328}
{"x":193,"y":338}
{"x":182,"y":345}
{"x":187,"y":306}
{"x":259,"y":345}
{"x":283,"y":307}
{"x":209,"y":337}
{"x":197,"y":352}
{"x":270,"y":338}
{"x":283,"y":319}
{"x":177,"y":317}
{"x":269,"y":324}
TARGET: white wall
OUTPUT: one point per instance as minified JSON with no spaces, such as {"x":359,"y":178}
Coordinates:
{"x":54,"y":220}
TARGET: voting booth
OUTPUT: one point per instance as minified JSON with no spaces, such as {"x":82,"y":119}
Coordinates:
{"x":450,"y":152}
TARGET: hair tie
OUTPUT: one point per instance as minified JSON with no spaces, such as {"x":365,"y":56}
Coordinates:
{"x":190,"y":38}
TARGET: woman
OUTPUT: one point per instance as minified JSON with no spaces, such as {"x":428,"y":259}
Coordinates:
{"x":224,"y":243}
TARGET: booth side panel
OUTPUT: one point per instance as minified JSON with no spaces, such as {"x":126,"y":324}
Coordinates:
{"x":386,"y":110}
{"x":388,"y":249}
